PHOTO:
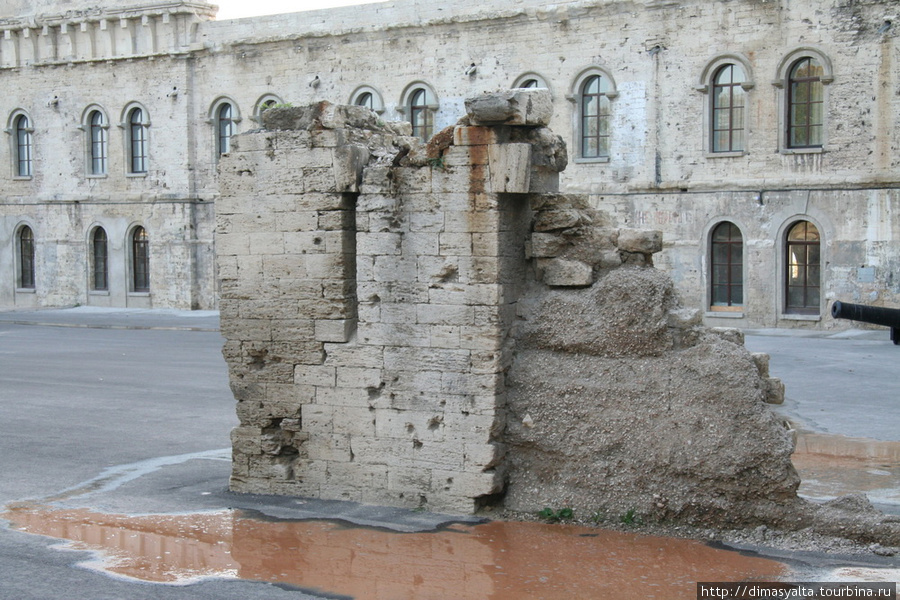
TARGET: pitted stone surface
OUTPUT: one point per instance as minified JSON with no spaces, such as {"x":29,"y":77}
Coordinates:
{"x":512,"y":107}
{"x":417,"y":326}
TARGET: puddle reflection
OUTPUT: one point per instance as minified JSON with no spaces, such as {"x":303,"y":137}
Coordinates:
{"x":833,"y":465}
{"x":492,"y":560}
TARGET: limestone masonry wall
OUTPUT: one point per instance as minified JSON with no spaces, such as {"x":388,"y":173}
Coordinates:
{"x":390,"y":309}
{"x":62,"y":60}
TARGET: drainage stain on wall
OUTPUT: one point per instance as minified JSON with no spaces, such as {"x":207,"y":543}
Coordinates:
{"x":489,"y":560}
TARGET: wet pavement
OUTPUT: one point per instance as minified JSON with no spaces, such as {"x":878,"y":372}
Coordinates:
{"x":113,"y":447}
{"x":843,"y":399}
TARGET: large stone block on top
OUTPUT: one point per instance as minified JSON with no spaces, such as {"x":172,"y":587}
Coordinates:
{"x":512,"y":107}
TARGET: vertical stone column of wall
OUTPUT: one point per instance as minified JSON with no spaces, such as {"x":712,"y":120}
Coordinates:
{"x":433,"y":308}
{"x":285,"y":248}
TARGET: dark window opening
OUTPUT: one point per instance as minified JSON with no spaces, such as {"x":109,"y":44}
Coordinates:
{"x":806,"y":102}
{"x":595,"y":117}
{"x":138,"y":142}
{"x":26,"y":258}
{"x":727,"y":267}
{"x":24,"y":147}
{"x":420,"y":116}
{"x":224,"y":128}
{"x":803,"y":266}
{"x":140,"y":258}
{"x":728,"y":110}
{"x":100,"y":260}
{"x":99,"y":147}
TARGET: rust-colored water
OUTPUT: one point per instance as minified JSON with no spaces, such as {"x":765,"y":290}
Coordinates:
{"x":496,"y":560}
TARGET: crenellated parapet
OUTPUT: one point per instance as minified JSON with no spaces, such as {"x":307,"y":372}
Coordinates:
{"x":147,"y":30}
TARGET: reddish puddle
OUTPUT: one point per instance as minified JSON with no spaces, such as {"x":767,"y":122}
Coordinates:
{"x":499,"y":560}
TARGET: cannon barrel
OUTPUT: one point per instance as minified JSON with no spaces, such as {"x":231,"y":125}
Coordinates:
{"x":876,"y":315}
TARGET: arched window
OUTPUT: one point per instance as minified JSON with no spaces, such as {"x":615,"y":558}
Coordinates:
{"x":140,"y":260}
{"x":26,"y":258}
{"x":368,"y":96}
{"x":224,"y":128}
{"x":727,"y":80}
{"x":419,"y":103}
{"x":99,"y":147}
{"x":806,"y":102}
{"x":137,"y":124}
{"x":803,"y":269}
{"x":728,"y":102}
{"x":594,"y":110}
{"x":262,"y":104}
{"x":802,"y":79}
{"x":24,"y":147}
{"x":99,"y":260}
{"x":420,"y":115}
{"x":726,"y":267}
{"x":530,"y":81}
{"x":366,"y":99}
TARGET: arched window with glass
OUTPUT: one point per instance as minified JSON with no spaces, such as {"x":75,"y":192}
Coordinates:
{"x":140,"y":260}
{"x":26,"y":266}
{"x":420,"y":115}
{"x":99,"y":145}
{"x":137,"y":141}
{"x":24,"y":147}
{"x":803,"y":264}
{"x":368,"y":96}
{"x":224,"y":127}
{"x":594,"y":109}
{"x":728,"y":106}
{"x":99,"y":260}
{"x":726,"y":267}
{"x":806,"y":104}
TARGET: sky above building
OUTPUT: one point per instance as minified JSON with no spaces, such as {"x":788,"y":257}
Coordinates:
{"x":237,"y":9}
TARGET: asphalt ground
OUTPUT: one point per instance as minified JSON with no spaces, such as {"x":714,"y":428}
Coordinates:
{"x":839,"y":383}
{"x":129,"y":412}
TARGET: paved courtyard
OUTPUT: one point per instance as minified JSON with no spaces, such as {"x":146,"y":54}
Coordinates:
{"x":132,"y":410}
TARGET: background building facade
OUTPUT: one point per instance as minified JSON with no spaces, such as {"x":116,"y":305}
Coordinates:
{"x":762,"y":138}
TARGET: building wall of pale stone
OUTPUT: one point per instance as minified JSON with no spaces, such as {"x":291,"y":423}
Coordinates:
{"x":660,"y":56}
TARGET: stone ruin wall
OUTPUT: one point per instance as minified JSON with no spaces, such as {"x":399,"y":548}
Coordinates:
{"x":437,"y":327}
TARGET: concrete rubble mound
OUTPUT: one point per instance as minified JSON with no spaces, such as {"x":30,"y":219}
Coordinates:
{"x":436,"y":326}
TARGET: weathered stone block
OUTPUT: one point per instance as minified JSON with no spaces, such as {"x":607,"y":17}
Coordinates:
{"x":640,"y":241}
{"x":246,"y":440}
{"x":334,"y":330}
{"x":354,"y":421}
{"x":317,"y":375}
{"x":513,"y":107}
{"x":349,"y":162}
{"x":562,"y":218}
{"x":510,"y":168}
{"x":547,"y":245}
{"x":448,"y":314}
{"x":560,"y":272}
{"x":359,"y":377}
{"x":329,"y":447}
